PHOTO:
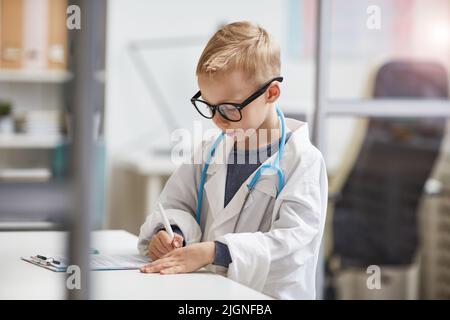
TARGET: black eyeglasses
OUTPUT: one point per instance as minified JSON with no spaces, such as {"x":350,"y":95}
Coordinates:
{"x":228,"y":110}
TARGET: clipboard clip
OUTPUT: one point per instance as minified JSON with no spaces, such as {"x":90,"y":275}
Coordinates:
{"x":46,"y":261}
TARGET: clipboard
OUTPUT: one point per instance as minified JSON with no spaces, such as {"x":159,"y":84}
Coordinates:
{"x":99,"y":262}
{"x":57,"y":263}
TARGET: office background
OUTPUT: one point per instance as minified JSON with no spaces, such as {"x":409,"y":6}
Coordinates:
{"x":382,"y":123}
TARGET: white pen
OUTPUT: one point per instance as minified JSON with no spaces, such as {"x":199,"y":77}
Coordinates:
{"x":166,"y":223}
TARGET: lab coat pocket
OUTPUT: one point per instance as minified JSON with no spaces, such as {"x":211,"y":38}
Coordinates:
{"x":263,"y":189}
{"x":267,"y":186}
{"x":258,"y":209}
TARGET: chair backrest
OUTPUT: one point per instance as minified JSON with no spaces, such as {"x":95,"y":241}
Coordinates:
{"x":407,"y":79}
{"x":375,"y":218}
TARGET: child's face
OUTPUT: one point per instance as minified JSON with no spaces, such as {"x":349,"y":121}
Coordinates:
{"x":234,"y":87}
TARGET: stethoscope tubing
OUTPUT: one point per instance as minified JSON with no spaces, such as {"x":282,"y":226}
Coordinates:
{"x":274,"y":166}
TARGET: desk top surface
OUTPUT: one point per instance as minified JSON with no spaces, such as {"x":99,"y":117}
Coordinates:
{"x":23,"y":280}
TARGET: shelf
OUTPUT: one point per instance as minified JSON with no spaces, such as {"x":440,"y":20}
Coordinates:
{"x":389,"y":108}
{"x":39,"y":76}
{"x":24,"y":141}
{"x":28,"y":225}
{"x":25,"y":175}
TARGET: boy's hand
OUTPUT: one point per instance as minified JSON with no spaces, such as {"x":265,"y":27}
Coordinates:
{"x":183,"y":260}
{"x":161,"y":244}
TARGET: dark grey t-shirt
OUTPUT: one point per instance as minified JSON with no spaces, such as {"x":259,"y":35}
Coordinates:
{"x":242,"y":163}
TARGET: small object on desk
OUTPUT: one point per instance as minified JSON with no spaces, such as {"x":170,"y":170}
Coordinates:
{"x":51,"y":263}
{"x":165,"y":220}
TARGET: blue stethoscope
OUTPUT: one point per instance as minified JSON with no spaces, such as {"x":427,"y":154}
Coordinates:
{"x":275,"y":165}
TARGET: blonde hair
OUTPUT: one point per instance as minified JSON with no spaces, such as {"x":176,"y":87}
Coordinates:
{"x":241,"y":46}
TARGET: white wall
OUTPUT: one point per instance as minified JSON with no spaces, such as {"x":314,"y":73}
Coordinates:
{"x":131,"y":116}
{"x":132,"y":119}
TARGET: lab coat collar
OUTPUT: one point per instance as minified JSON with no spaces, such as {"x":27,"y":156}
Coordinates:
{"x":299,"y":130}
{"x":220,"y":157}
{"x":215,"y":185}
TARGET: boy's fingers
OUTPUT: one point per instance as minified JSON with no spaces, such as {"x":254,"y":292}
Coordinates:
{"x":144,"y":268}
{"x":150,"y":250}
{"x":161,"y":261}
{"x":172,"y":253}
{"x":157,"y":252}
{"x":160,"y":249}
{"x":152,"y":255}
{"x":165,"y":247}
{"x":171,"y":270}
{"x":165,"y":239}
{"x":177,"y":242}
{"x":159,"y":267}
{"x":148,"y":270}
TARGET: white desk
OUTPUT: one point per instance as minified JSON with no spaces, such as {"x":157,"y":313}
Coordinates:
{"x":22,"y":280}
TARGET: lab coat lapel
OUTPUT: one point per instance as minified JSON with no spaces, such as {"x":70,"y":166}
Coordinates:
{"x":216,"y":177}
{"x":266,"y":184}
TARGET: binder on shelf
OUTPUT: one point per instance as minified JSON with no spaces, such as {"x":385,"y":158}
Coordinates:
{"x":33,"y":34}
{"x":57,"y":34}
{"x":11,"y":33}
{"x":36,"y":34}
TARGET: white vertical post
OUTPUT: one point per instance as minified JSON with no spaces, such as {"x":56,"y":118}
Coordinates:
{"x":86,"y":99}
{"x":323,"y":40}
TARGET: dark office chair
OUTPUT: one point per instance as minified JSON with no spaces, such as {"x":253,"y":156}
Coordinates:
{"x":375,"y":218}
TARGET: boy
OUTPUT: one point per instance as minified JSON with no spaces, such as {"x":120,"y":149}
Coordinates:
{"x":267,"y":239}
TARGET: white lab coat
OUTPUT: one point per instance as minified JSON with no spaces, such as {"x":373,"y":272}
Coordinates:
{"x":275,"y":246}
